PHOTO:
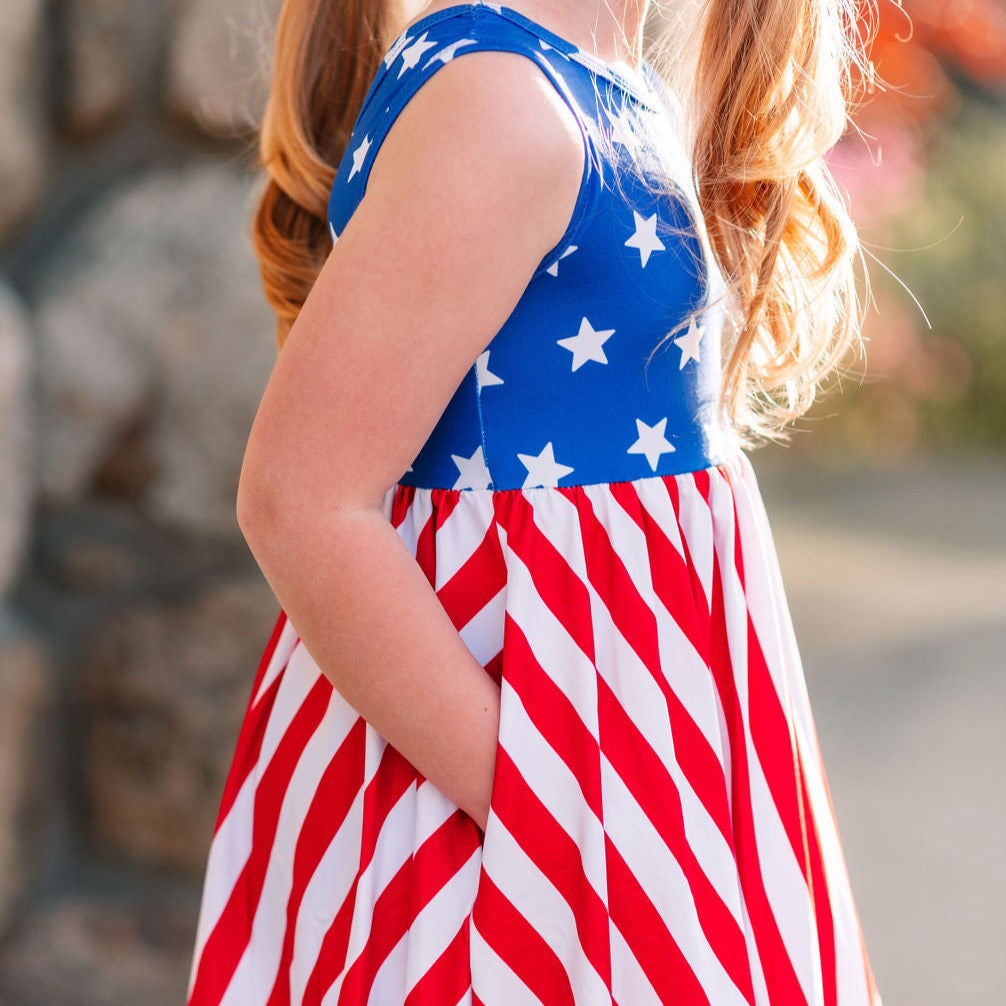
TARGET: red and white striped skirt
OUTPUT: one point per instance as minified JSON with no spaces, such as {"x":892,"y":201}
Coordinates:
{"x":660,"y":832}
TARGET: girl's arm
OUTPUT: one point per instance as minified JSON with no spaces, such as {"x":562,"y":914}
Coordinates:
{"x":475,"y":181}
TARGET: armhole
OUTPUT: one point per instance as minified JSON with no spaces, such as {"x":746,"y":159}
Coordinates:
{"x":386,"y":110}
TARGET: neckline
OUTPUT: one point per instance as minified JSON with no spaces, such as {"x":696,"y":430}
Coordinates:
{"x":639,"y":84}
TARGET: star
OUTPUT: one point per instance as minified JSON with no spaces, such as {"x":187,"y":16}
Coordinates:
{"x":645,"y":238}
{"x":620,"y":131}
{"x":410,"y":56}
{"x":586,"y":344}
{"x":399,"y":45}
{"x":553,"y":269}
{"x":331,"y":230}
{"x":359,"y":156}
{"x":483,"y":376}
{"x":651,"y":442}
{"x":689,"y":343}
{"x":447,"y":53}
{"x":472,"y":472}
{"x":543,"y":469}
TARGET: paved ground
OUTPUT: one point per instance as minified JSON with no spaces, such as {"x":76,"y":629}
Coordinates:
{"x":897,"y":584}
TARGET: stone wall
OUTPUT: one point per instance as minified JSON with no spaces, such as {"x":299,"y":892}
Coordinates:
{"x":134,"y":346}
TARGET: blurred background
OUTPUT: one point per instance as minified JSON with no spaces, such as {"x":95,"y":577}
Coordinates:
{"x":134,"y":346}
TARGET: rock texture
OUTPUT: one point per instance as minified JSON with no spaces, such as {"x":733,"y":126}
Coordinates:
{"x":24,"y":705}
{"x":100,"y":78}
{"x":218,"y":70}
{"x":107,"y":955}
{"x":22,"y":126}
{"x":16,"y":425}
{"x":152,"y":320}
{"x":163,"y":690}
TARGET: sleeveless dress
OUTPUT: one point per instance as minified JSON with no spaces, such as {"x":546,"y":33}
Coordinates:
{"x":661,"y":829}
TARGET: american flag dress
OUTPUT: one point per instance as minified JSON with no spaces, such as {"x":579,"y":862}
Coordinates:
{"x":661,"y":829}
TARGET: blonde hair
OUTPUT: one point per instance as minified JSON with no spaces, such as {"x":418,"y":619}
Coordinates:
{"x":773,"y":84}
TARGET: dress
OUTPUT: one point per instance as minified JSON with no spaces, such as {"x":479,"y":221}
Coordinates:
{"x":661,"y":829}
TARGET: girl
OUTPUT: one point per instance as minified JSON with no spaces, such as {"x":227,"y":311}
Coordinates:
{"x":531,"y":727}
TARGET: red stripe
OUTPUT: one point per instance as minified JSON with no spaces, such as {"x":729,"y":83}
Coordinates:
{"x":551,"y":711}
{"x":820,"y":897}
{"x":562,"y":591}
{"x":402,"y":900}
{"x":393,"y":777}
{"x":479,"y":579}
{"x":646,"y":932}
{"x":248,"y":749}
{"x":637,"y":624}
{"x":449,"y":977}
{"x":646,"y":777}
{"x":669,"y":574}
{"x":249,"y":742}
{"x":520,"y":945}
{"x":332,"y":801}
{"x":523,"y":814}
{"x":227,"y":942}
{"x":780,"y":976}
{"x":402,"y":502}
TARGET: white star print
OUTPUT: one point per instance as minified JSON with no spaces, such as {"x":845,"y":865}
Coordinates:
{"x":620,"y":131}
{"x":586,"y":344}
{"x":331,"y":230}
{"x":472,"y":472}
{"x":651,"y":442}
{"x":359,"y":156}
{"x":447,"y":53}
{"x":543,"y":469}
{"x":645,"y":238}
{"x":553,"y":269}
{"x":689,"y":343}
{"x":393,"y":52}
{"x":483,"y":376}
{"x":411,"y":56}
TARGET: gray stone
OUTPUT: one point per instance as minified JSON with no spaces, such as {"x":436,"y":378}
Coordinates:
{"x":24,"y":702}
{"x":79,"y":953}
{"x":153,"y":319}
{"x":100,"y":41}
{"x":16,"y":477}
{"x":22,"y":128}
{"x":218,"y":63}
{"x":162,"y":694}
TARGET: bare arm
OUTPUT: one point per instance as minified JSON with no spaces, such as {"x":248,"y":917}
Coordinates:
{"x":473,"y":184}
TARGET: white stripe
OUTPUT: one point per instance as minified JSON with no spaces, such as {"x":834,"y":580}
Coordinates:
{"x":558,"y":788}
{"x":483,"y":633}
{"x":533,"y":894}
{"x":660,"y":876}
{"x":552,"y":646}
{"x":231,"y":845}
{"x":288,"y":639}
{"x":415,"y":519}
{"x":684,"y":669}
{"x":461,"y":535}
{"x":416,"y":814}
{"x":493,"y":981}
{"x":785,"y":886}
{"x":434,"y":928}
{"x":324,"y":895}
{"x":697,"y":528}
{"x":646,"y":707}
{"x":252,"y":980}
{"x":629,"y":983}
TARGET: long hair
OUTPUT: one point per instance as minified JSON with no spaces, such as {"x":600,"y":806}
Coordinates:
{"x":773,"y":84}
{"x":327,"y":52}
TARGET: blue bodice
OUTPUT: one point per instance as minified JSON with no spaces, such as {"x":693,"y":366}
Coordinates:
{"x":564,"y":393}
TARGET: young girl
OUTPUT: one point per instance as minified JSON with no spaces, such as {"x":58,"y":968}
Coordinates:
{"x":531,"y":727}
